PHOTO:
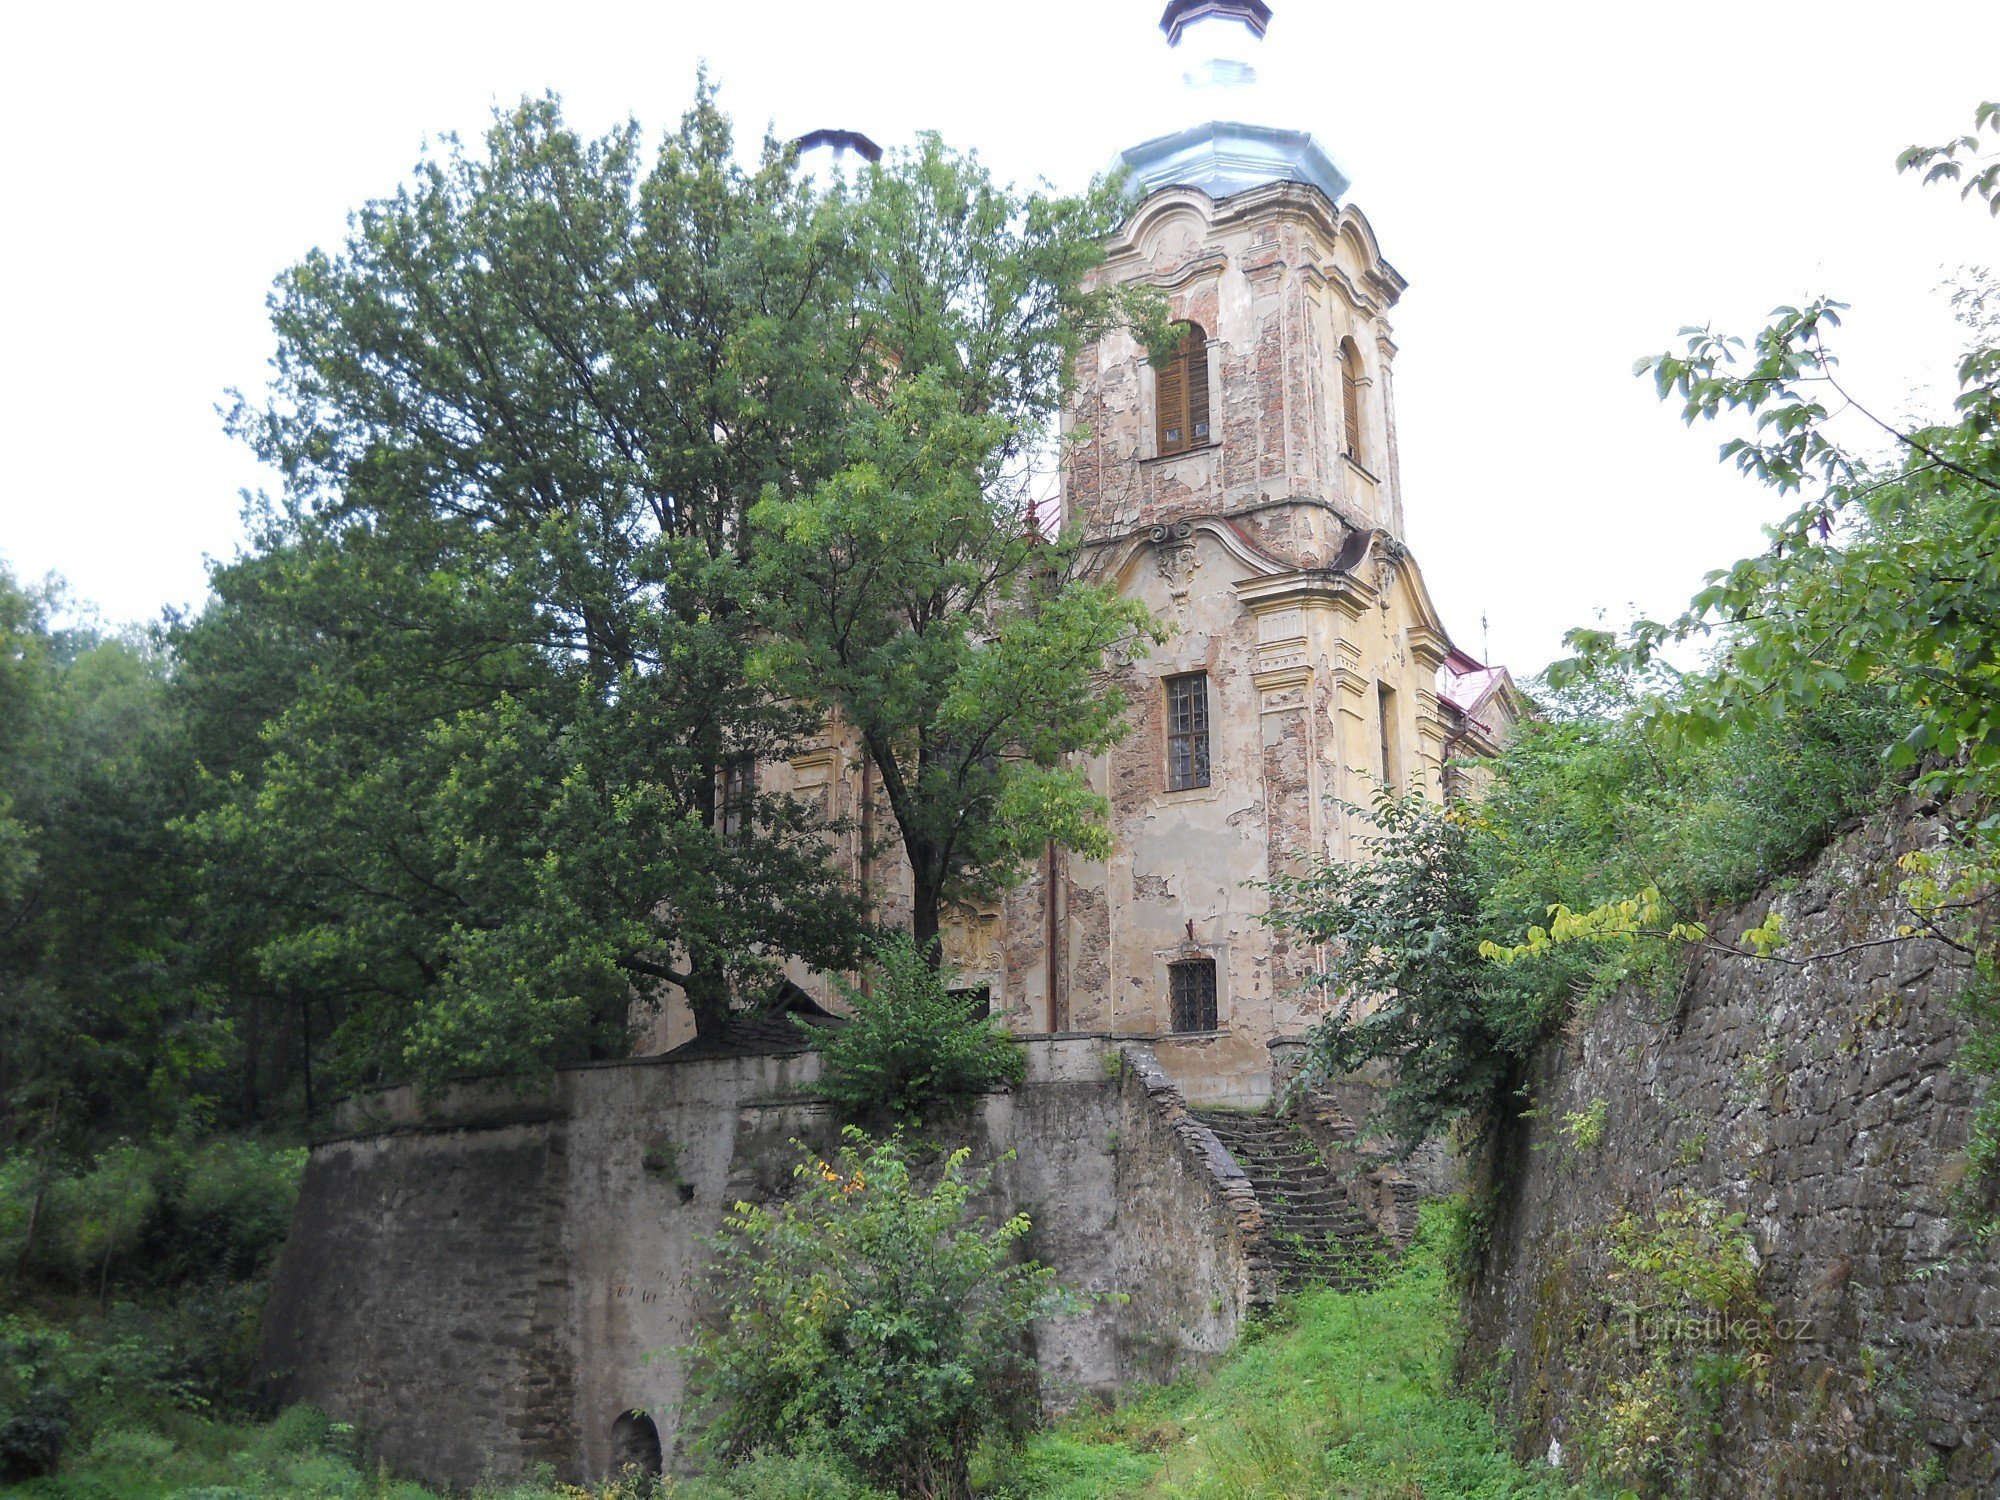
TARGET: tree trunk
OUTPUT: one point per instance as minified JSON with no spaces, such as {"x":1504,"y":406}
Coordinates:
{"x":708,"y":997}
{"x":253,"y":1038}
{"x":927,"y":903}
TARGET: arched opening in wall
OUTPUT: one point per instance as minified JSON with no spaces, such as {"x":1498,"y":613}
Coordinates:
{"x":1181,"y":393}
{"x":635,"y":1446}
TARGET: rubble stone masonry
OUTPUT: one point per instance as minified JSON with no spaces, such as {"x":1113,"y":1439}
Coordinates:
{"x":1821,"y":1102}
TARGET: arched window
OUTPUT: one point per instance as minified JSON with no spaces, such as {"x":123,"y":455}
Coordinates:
{"x":1350,"y":398}
{"x":1182,"y":402}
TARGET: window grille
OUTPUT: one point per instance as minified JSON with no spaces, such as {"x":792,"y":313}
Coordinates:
{"x":1187,"y":732}
{"x":1191,"y":983}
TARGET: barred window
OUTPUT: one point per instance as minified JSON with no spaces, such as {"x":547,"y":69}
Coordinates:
{"x":1187,"y":731}
{"x":1191,"y":983}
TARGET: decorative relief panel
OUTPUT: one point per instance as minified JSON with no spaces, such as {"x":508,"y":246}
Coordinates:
{"x":1175,"y":555}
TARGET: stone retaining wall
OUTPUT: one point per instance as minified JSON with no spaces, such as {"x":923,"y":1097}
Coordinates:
{"x":491,"y":1282}
{"x":1820,"y":1102}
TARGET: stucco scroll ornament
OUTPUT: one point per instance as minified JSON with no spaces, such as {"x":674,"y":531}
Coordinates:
{"x":1174,"y":554}
{"x":1389,"y":556}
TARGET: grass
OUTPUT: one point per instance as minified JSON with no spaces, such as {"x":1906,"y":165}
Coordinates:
{"x":1340,"y":1396}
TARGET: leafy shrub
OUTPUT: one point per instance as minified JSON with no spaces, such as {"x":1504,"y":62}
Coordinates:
{"x":1598,"y":809}
{"x":130,"y":1448}
{"x":235,"y":1205}
{"x":872,"y":1319}
{"x":100,"y":1216}
{"x":912,"y":1048}
{"x":1407,"y":986}
{"x":782,"y":1476}
{"x":159,"y":1215}
{"x":37,"y":1409}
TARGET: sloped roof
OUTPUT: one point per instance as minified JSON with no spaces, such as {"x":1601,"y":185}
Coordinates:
{"x":765,"y":1027}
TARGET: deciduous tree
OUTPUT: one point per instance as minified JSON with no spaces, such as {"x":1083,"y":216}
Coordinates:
{"x":910,"y":592}
{"x":521,"y":417}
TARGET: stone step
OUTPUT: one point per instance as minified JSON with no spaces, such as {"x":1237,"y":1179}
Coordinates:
{"x":1316,"y":1234}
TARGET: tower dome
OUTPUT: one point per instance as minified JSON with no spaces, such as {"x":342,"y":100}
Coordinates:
{"x":827,"y":157}
{"x":1213,"y":134}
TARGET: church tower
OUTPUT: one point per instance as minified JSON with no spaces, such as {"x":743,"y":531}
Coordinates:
{"x":1245,"y":486}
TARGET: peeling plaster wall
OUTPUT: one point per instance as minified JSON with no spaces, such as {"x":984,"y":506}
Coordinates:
{"x":1271,"y":559}
{"x":488,"y":1284}
{"x":1821,"y":1102}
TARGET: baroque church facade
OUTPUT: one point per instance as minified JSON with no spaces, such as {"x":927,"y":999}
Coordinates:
{"x":532,"y":1263}
{"x":1248,"y":492}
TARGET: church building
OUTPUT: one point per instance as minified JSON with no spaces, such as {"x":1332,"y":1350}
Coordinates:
{"x":1248,"y":492}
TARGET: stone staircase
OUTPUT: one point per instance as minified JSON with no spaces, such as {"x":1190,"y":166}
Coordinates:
{"x":1314,"y":1231}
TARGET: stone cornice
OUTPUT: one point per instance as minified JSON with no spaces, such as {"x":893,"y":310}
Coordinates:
{"x":1427,"y":645}
{"x":1345,"y":592}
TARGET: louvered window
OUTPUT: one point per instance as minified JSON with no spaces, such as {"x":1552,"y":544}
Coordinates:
{"x":1191,"y":987}
{"x":1350,"y":399}
{"x":1187,"y":732}
{"x":1182,"y":393}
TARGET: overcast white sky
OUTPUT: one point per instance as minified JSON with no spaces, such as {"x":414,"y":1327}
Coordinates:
{"x":1563,"y":185}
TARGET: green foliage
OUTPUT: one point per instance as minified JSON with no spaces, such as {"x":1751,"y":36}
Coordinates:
{"x":300,"y":1455}
{"x":1466,"y":936}
{"x":1884,"y":581}
{"x":1961,"y":160}
{"x":909,"y":590}
{"x":912,"y":1049}
{"x":37,"y":1408}
{"x":102,"y":1031}
{"x":1403,"y":978}
{"x":1602,"y":811}
{"x":1347,"y":1394}
{"x":149,"y":1216}
{"x":777,"y":1476}
{"x":491,"y":644}
{"x":871,"y":1317}
{"x":1684,"y":1290}
{"x":1584,"y":1128}
{"x":1688,"y":1255}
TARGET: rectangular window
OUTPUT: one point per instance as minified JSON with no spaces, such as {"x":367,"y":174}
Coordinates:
{"x":739,"y":794}
{"x":1187,"y":731}
{"x":977,"y":1000}
{"x":1191,"y":983}
{"x":1385,"y":709}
